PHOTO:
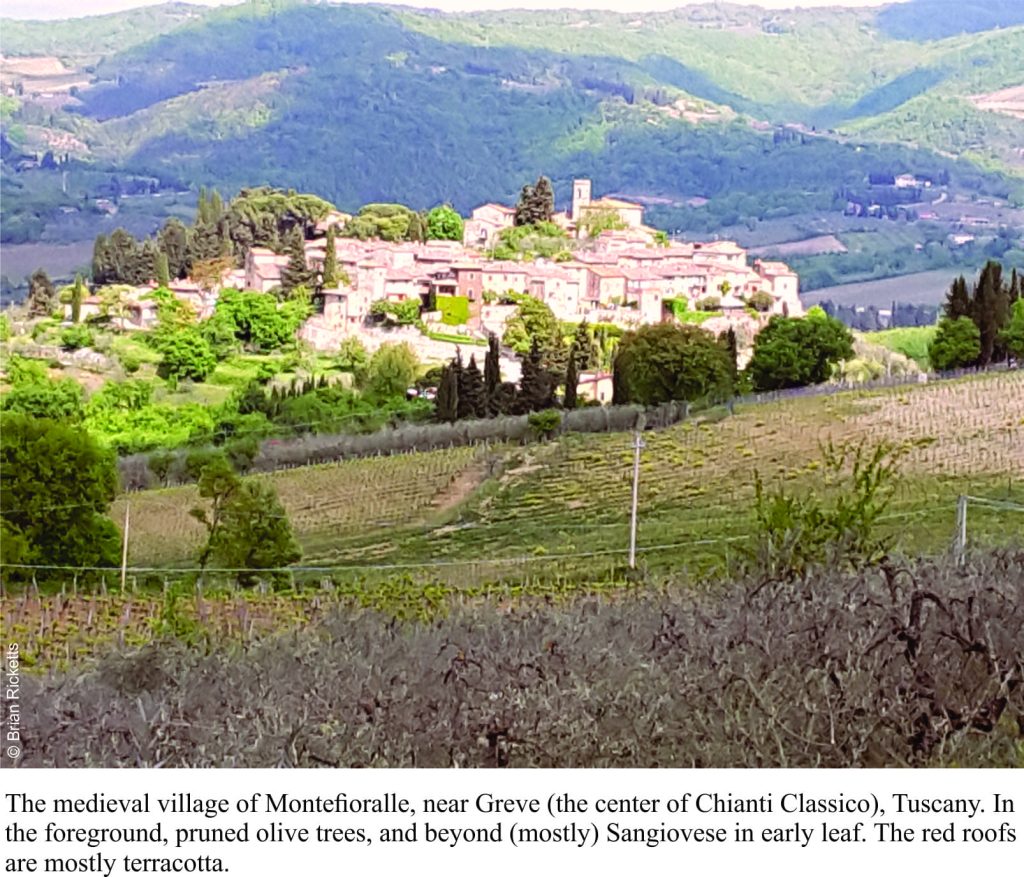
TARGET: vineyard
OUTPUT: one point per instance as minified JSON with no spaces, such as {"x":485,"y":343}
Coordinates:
{"x":472,"y":514}
{"x":408,"y":534}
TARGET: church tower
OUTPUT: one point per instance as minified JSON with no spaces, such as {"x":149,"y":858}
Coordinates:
{"x":580,"y":197}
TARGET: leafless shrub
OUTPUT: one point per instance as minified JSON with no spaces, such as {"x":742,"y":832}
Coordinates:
{"x":915,"y":665}
{"x":311,"y":449}
{"x":135,"y":473}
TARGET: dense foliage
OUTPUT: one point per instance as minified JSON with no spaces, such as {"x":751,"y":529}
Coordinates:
{"x":987,"y":304}
{"x":58,"y":485}
{"x":957,"y":344}
{"x":247,"y":528}
{"x":665,"y":363}
{"x":217,"y":240}
{"x":444,"y":224}
{"x":792,"y":352}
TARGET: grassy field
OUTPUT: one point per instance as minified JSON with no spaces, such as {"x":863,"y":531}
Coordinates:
{"x":912,"y":342}
{"x":468,"y":515}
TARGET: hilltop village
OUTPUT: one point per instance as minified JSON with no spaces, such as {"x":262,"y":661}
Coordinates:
{"x":619,"y":271}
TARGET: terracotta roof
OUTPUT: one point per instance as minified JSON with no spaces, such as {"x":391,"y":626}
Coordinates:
{"x":775,"y":268}
{"x":605,"y":270}
{"x":721,"y":247}
{"x":640,"y":274}
{"x":500,"y":207}
{"x":596,"y":259}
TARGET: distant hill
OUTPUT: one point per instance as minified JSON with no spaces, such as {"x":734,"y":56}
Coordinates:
{"x":924,"y":20}
{"x":764,"y":113}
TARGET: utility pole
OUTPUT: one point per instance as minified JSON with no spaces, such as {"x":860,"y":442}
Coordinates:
{"x":124,"y":547}
{"x":638,"y":444}
{"x":960,"y":545}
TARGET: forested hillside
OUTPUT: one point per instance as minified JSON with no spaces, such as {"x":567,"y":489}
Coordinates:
{"x":766,"y":114}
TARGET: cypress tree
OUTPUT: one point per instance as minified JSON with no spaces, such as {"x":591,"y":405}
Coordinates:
{"x":330,"y":275}
{"x":143,"y":263}
{"x":101,"y":261}
{"x":472,"y":401}
{"x":524,"y":206}
{"x":446,"y":405}
{"x":492,"y":374}
{"x":417,"y":228}
{"x":572,"y":380}
{"x":173,"y":241}
{"x":536,"y":203}
{"x":296,"y":272}
{"x":958,"y":302}
{"x":216,"y":207}
{"x":543,"y":200}
{"x":991,"y":312}
{"x":77,"y":295}
{"x":42,"y":297}
{"x":536,"y":389}
{"x":202,"y":207}
{"x":163,"y":270}
{"x":585,"y":348}
{"x":732,"y":348}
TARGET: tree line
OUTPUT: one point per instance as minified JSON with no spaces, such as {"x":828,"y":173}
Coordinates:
{"x":655,"y":364}
{"x":871,"y":319}
{"x":982,"y":323}
{"x":221,"y":234}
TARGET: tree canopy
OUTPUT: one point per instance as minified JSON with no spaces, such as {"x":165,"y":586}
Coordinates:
{"x":957,"y":344}
{"x":535,"y":322}
{"x":665,"y":362}
{"x":794,"y":352}
{"x":58,"y":487}
{"x":392,"y":370}
{"x":444,"y":224}
{"x":248,"y":530}
{"x":536,"y":203}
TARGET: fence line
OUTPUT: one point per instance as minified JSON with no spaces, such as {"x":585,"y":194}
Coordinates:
{"x":522,"y":559}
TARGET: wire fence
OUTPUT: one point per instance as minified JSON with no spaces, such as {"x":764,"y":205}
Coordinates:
{"x":604,"y":564}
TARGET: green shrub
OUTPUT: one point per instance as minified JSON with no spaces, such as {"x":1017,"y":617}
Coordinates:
{"x":130,"y":363}
{"x":397,"y":313}
{"x":198,"y":459}
{"x":543,"y":424}
{"x":46,"y":399}
{"x":799,"y":532}
{"x":76,"y":337}
{"x":956,"y":344}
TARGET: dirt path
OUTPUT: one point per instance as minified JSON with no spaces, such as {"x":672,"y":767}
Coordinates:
{"x":462,"y":485}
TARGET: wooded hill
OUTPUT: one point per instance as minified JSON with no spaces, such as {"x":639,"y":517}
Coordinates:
{"x":765,"y":113}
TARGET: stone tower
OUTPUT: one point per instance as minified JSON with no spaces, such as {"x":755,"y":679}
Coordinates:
{"x":580,"y":197}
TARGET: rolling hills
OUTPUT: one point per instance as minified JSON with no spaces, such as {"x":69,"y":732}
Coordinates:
{"x":765,"y":113}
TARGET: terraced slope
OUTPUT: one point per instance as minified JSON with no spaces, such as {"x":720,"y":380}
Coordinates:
{"x":468,"y":515}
